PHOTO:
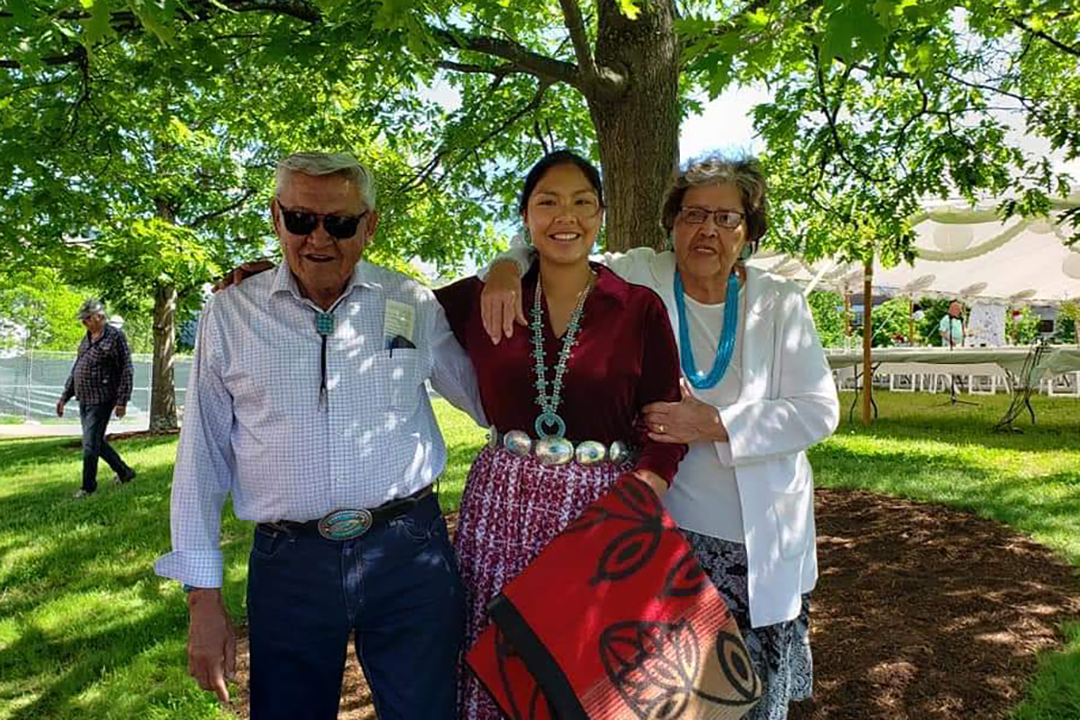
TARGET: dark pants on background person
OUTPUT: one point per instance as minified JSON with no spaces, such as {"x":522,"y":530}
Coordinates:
{"x":394,"y":590}
{"x":95,"y":418}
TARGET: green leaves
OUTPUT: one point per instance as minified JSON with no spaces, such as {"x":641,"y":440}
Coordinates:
{"x":629,"y":8}
{"x":97,"y":27}
{"x":854,"y":30}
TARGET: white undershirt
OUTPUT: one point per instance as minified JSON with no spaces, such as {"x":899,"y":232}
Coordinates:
{"x":704,"y":497}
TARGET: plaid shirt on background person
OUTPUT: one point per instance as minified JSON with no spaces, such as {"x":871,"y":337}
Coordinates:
{"x":102,"y":372}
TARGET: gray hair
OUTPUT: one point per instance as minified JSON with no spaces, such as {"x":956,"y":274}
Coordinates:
{"x":319,"y":164}
{"x":744,"y":172}
{"x":91,"y":307}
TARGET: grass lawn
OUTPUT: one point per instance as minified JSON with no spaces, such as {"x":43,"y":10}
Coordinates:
{"x":87,"y":630}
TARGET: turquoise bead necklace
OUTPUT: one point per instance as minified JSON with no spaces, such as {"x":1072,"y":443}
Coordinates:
{"x":725,"y":348}
{"x":549,"y":404}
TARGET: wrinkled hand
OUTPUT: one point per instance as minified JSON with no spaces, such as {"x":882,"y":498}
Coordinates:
{"x":121,"y":411}
{"x":686,"y":421}
{"x":500,"y":301}
{"x":238,"y":274}
{"x":211,"y":643}
{"x":59,"y":408}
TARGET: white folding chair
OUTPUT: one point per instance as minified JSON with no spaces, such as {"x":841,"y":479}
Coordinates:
{"x":1064,"y":385}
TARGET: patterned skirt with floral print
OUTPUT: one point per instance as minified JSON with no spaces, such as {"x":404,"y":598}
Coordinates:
{"x":781,"y":652}
{"x":512,"y":508}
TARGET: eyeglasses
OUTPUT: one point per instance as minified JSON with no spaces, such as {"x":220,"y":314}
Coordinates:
{"x":583,"y":208}
{"x":340,"y":227}
{"x":728,"y":219}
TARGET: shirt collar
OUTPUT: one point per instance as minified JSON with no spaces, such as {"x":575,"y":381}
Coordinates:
{"x":104,"y":333}
{"x":285,"y":281}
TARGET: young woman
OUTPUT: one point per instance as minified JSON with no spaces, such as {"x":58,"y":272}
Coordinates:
{"x":564,"y":399}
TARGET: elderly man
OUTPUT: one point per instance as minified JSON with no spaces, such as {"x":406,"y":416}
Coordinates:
{"x":307,"y":404}
{"x":101,"y":380}
{"x":951,"y":327}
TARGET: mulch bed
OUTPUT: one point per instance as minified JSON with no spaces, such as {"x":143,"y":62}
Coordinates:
{"x":921,"y":612}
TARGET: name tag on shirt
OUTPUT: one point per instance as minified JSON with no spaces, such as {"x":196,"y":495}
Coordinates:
{"x":398,"y":325}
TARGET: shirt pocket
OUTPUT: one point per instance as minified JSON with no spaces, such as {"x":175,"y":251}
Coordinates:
{"x":397,"y":379}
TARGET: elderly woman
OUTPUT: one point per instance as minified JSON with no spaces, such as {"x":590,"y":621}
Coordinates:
{"x":757,"y":392}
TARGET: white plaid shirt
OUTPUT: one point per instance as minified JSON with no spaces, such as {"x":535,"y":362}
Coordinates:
{"x":252,"y":422}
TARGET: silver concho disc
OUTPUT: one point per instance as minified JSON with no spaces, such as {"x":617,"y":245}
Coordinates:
{"x":554,"y":451}
{"x":619,"y":452}
{"x":590,"y":452}
{"x":517,"y":442}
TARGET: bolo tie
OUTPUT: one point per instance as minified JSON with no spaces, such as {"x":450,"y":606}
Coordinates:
{"x":324,"y":326}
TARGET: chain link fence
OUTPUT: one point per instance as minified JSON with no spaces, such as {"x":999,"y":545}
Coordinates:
{"x":31,"y":382}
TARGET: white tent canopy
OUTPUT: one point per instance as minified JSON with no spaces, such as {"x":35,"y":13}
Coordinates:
{"x":965,"y":253}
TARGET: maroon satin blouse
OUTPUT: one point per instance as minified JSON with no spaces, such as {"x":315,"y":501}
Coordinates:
{"x":625,"y":358}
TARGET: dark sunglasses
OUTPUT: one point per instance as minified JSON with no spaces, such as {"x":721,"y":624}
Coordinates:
{"x":340,"y":227}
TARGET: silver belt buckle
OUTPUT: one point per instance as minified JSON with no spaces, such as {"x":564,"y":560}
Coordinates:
{"x":345,"y":524}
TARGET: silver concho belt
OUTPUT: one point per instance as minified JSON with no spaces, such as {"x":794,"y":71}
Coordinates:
{"x":559,"y":451}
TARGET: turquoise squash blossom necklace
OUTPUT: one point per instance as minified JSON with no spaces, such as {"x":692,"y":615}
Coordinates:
{"x":725,"y":348}
{"x":549,"y":404}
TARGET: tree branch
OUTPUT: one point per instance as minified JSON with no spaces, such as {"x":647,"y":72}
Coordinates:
{"x":525,"y":60}
{"x":47,"y":83}
{"x":293,"y":8}
{"x":432,"y":165}
{"x":574,"y":23}
{"x":1053,"y":41}
{"x":72,"y":57}
{"x":499,"y":71}
{"x":838,"y":143}
{"x":248,"y":194}
{"x":124,"y":22}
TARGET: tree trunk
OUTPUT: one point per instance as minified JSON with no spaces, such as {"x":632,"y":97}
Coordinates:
{"x":868,"y":334}
{"x":638,"y":130}
{"x":163,"y":392}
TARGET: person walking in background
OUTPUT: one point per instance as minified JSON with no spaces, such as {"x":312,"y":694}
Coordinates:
{"x":101,"y":380}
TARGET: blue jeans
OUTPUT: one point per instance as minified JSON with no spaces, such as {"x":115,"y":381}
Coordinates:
{"x":95,"y":418}
{"x":395,"y":591}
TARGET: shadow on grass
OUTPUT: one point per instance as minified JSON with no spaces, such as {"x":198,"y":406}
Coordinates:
{"x":86,"y":569}
{"x":15,"y":453}
{"x":63,"y":669}
{"x":1023,"y":503}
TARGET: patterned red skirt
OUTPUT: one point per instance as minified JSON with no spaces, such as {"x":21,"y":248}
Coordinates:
{"x":512,"y":508}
